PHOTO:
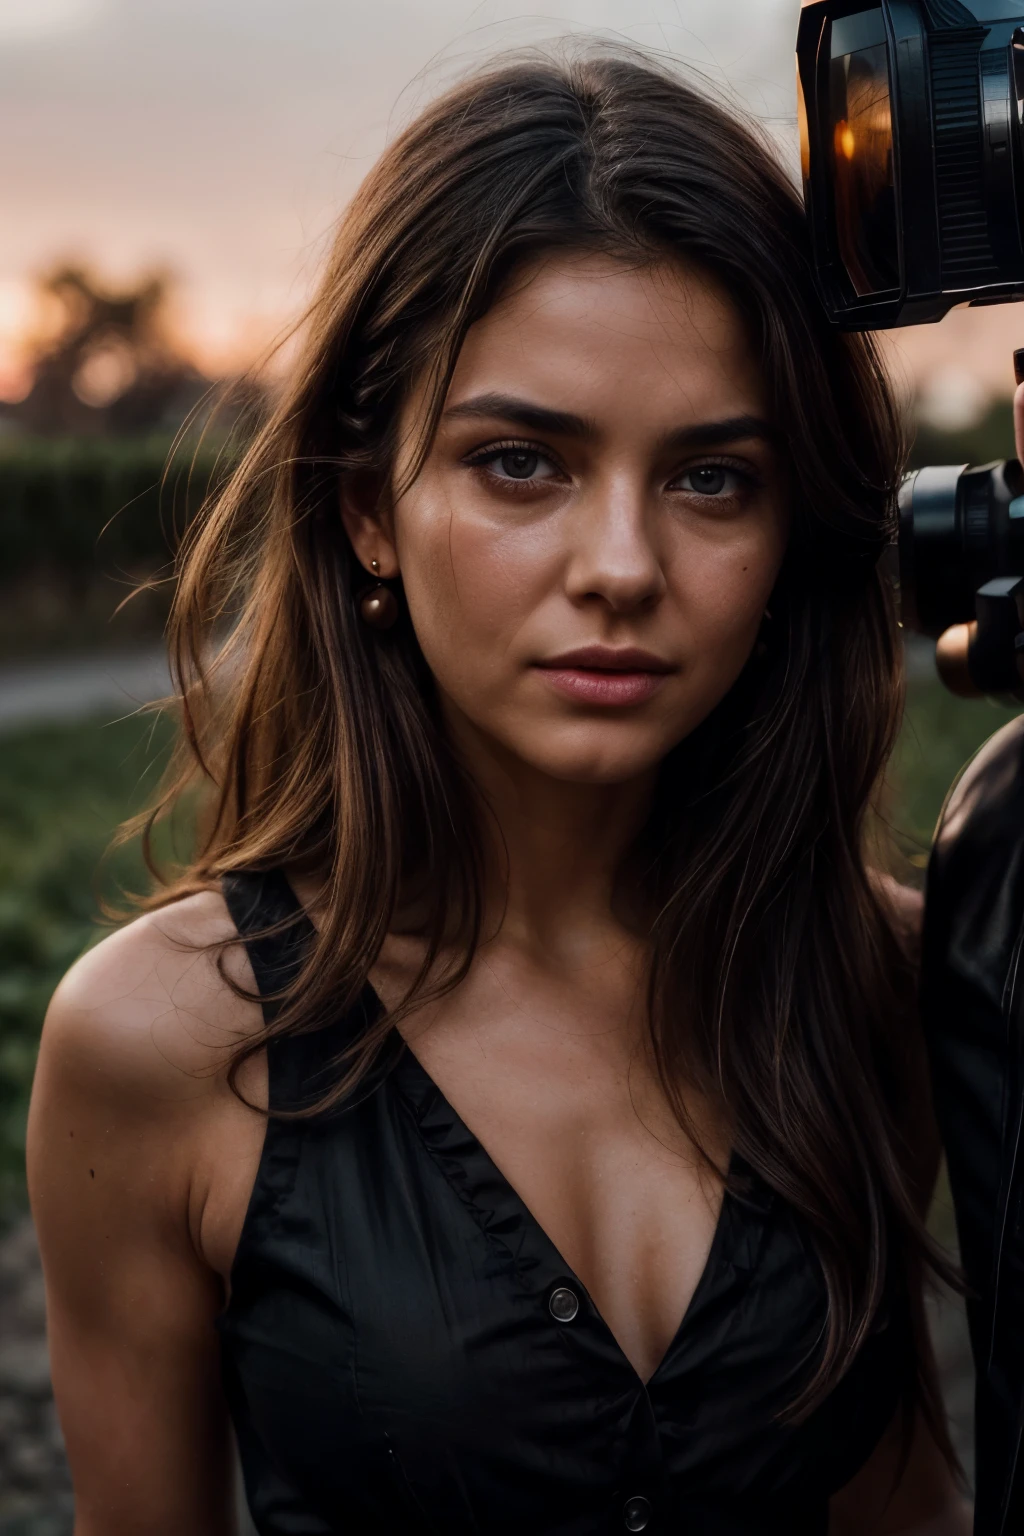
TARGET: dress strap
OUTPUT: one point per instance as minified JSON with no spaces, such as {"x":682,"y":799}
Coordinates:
{"x":271,"y":922}
{"x":274,"y":927}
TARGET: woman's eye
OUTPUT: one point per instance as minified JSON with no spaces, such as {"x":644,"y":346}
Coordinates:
{"x":710,"y":480}
{"x":519,"y":464}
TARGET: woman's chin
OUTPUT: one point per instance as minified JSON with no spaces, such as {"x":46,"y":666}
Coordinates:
{"x":594,"y":763}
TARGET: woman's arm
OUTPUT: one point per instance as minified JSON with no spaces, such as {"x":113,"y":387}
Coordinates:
{"x":923,"y":1501}
{"x":129,"y":1114}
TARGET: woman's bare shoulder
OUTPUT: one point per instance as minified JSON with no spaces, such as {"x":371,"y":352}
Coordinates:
{"x":150,"y":1010}
{"x":904,"y":908}
{"x":141,"y":1161}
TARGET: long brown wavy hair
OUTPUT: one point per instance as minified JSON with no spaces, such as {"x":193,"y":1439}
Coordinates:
{"x":776,"y":983}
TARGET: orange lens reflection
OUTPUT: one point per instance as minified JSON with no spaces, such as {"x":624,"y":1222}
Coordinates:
{"x":805,"y":132}
{"x":862,"y":168}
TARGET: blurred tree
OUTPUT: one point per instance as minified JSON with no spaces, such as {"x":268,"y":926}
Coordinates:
{"x":109,"y":366}
{"x":989,"y":438}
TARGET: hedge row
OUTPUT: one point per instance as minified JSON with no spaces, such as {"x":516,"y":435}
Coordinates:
{"x":77,"y":507}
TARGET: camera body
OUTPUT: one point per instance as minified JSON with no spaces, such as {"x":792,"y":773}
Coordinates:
{"x":912,"y":150}
{"x":961,"y":571}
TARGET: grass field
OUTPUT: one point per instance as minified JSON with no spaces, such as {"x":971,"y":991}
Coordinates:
{"x":940,"y":734}
{"x":63,"y":790}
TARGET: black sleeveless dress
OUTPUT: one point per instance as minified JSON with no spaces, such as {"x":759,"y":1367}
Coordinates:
{"x":406,"y":1351}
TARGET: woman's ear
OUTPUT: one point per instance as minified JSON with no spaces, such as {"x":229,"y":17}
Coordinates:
{"x":367,"y":521}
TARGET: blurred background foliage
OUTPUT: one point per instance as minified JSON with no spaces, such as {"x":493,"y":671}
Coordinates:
{"x":103,"y":463}
{"x":989,"y":437}
{"x":88,"y":523}
{"x":64,"y":789}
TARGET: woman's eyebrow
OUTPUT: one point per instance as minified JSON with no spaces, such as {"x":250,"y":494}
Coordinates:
{"x":541,"y":418}
{"x":717,"y":434}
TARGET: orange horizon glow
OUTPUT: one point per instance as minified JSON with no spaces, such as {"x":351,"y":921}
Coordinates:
{"x":220,"y":344}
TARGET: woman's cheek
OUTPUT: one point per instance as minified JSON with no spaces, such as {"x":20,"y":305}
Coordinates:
{"x":473,"y":578}
{"x":723,"y":591}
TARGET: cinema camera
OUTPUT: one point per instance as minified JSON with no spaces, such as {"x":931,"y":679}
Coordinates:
{"x":912,"y":143}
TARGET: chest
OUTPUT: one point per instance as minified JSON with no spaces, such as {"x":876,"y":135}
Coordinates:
{"x":405,"y":1343}
{"x":557,"y":1085}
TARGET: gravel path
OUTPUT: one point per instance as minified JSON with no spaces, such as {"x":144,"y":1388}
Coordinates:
{"x":74,"y":687}
{"x":35,"y":1490}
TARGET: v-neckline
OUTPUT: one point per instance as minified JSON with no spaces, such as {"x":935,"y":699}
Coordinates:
{"x":405,"y":1059}
{"x":409,"y":1065}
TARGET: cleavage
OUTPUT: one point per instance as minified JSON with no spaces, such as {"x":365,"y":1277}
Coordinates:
{"x":576,"y":1123}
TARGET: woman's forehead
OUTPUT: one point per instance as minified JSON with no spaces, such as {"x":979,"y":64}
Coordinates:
{"x":599,"y":336}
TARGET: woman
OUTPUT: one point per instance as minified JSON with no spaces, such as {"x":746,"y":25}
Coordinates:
{"x":531,"y":898}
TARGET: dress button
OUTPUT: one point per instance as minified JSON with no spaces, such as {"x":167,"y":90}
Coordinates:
{"x":563,"y":1305}
{"x":636,"y":1513}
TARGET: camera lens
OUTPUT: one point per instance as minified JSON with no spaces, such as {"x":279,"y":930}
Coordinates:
{"x":863,"y":183}
{"x":1017,"y":62}
{"x":959,"y":528}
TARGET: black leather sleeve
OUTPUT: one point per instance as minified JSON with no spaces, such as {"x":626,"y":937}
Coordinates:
{"x":971,"y":1011}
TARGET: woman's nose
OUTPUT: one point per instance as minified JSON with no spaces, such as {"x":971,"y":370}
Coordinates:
{"x":614,"y":558}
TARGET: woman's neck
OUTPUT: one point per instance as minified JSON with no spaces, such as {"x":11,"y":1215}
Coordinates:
{"x":553,"y":850}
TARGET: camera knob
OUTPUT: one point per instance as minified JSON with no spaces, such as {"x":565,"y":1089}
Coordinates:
{"x":952,"y":650}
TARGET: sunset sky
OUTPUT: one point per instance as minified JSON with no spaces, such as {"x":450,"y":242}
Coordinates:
{"x":219,"y":139}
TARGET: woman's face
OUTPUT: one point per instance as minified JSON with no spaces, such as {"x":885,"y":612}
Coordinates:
{"x":589,"y":548}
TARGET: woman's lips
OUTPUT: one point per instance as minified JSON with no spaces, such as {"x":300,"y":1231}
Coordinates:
{"x":593,"y":687}
{"x":600,"y":676}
